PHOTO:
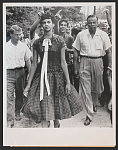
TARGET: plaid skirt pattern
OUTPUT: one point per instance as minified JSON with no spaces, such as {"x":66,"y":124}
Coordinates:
{"x":57,"y":105}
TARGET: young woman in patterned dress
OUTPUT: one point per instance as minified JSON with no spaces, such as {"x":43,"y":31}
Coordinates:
{"x":50,"y":94}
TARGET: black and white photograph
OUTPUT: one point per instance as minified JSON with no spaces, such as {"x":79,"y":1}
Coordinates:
{"x":58,"y":74}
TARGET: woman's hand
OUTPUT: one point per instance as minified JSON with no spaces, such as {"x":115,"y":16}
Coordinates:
{"x":68,"y":88}
{"x":40,"y":14}
{"x":25,"y":93}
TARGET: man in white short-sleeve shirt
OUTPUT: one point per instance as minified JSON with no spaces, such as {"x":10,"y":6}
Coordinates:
{"x":17,"y":55}
{"x":91,"y":45}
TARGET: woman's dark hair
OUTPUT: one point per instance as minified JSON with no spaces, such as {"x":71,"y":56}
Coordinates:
{"x":75,"y":31}
{"x":63,"y":20}
{"x":47,"y":15}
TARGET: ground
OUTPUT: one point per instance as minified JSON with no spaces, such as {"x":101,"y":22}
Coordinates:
{"x":101,"y":119}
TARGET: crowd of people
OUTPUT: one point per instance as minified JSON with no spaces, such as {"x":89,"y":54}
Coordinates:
{"x":56,"y":70}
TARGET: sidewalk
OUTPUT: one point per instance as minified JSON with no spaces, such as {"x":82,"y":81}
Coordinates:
{"x":101,"y":119}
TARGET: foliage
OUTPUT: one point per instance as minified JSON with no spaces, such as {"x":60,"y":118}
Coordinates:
{"x":103,"y":15}
{"x":70,"y":13}
{"x":25,"y":16}
{"x":22,"y":16}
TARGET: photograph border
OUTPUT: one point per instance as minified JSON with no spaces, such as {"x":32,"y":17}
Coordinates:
{"x":8,"y":134}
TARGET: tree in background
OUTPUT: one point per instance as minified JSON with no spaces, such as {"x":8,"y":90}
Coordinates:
{"x":25,"y":16}
{"x":100,"y":12}
{"x":22,"y":16}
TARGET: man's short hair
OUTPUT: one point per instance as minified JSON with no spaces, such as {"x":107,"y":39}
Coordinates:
{"x":92,"y":16}
{"x":47,"y":15}
{"x":63,"y":20}
{"x":15,"y":28}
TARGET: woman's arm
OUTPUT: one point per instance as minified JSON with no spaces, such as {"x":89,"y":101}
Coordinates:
{"x":33,"y":66}
{"x":28,"y":64}
{"x":32,"y":71}
{"x":65,"y":69}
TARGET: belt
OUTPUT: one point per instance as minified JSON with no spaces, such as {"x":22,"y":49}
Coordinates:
{"x":18,"y":68}
{"x":91,"y":57}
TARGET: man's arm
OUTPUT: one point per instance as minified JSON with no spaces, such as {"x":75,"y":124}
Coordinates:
{"x":109,"y":57}
{"x":108,"y":53}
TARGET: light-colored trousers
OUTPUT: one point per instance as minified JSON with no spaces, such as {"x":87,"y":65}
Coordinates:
{"x":91,"y":83}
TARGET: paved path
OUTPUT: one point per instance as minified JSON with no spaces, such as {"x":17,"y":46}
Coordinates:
{"x":101,"y":119}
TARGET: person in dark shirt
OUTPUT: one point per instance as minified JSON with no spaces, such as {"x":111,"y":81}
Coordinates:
{"x":68,"y":30}
{"x":106,"y":95}
{"x":75,"y":30}
{"x":69,"y":50}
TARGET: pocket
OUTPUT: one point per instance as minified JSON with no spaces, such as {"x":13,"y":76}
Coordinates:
{"x":99,"y":44}
{"x":100,"y":66}
{"x":85,"y":45}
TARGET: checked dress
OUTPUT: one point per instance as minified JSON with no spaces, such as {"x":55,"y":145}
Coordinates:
{"x":57,"y":105}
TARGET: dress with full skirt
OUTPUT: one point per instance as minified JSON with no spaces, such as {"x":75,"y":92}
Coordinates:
{"x":58,"y":105}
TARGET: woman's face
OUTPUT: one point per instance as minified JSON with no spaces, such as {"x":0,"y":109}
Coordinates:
{"x":47,"y":25}
{"x":68,"y":30}
{"x":63,"y":27}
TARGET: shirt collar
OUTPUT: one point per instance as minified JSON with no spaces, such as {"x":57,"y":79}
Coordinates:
{"x":52,"y":39}
{"x":96,"y":33}
{"x":10,"y":43}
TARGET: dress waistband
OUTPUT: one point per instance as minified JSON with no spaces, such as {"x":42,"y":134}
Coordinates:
{"x":91,"y":57}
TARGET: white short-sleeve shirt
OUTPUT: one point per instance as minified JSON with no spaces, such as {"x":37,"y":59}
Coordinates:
{"x":16,"y":55}
{"x":92,"y":46}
